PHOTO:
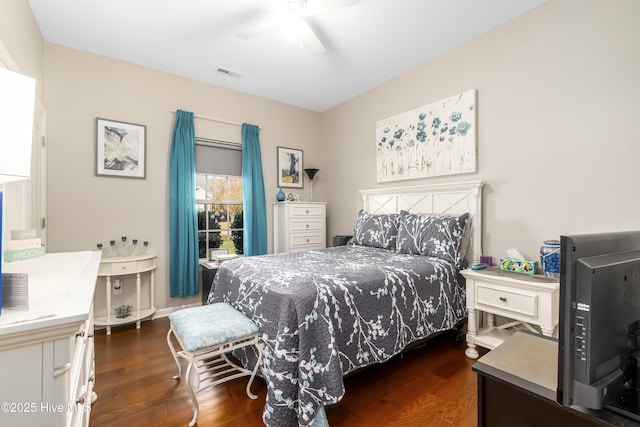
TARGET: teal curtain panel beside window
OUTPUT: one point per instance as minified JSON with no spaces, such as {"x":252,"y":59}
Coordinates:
{"x":183,"y":218}
{"x":254,"y":201}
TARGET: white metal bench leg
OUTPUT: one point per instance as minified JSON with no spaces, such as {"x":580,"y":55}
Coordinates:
{"x":192,"y":393}
{"x":253,"y":373}
{"x":190,"y":366}
{"x":174,"y":353}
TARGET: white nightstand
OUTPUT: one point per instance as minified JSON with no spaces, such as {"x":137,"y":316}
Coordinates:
{"x":524,"y":299}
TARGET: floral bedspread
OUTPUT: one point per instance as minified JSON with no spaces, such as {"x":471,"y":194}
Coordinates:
{"x":325,"y":313}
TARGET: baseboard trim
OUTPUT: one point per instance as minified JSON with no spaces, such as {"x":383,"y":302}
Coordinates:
{"x":163,"y":312}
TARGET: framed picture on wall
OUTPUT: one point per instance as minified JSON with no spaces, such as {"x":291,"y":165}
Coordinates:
{"x":290,"y":168}
{"x":120,"y":149}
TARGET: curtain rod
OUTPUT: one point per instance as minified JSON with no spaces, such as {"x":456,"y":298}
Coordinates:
{"x":207,"y":142}
{"x":213,"y":119}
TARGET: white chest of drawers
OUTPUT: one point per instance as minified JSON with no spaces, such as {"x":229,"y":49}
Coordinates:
{"x":299,"y":226}
{"x":522,"y":299}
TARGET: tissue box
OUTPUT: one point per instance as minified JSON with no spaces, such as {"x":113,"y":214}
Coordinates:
{"x":518,"y":265}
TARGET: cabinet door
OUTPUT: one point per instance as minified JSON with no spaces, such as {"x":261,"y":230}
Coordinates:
{"x":21,"y":388}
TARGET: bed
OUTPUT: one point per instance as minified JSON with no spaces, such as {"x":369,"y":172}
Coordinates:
{"x":325,"y":313}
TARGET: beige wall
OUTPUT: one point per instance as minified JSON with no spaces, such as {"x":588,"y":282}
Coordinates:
{"x":84,"y":208}
{"x":558,"y":141}
{"x":20,"y":35}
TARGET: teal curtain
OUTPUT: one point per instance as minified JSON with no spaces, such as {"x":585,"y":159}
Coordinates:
{"x":183,"y":219}
{"x":255,"y":205}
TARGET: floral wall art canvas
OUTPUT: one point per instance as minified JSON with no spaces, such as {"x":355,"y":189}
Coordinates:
{"x":437,"y":139}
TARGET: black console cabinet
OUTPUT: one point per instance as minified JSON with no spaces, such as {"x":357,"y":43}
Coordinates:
{"x":517,"y":387}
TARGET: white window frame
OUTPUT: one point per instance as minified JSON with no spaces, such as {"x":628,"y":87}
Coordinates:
{"x":207,"y":203}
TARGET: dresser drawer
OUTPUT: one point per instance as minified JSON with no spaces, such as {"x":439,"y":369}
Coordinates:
{"x":310,"y":224}
{"x":303,"y":211}
{"x":305,"y":240}
{"x":507,"y":299}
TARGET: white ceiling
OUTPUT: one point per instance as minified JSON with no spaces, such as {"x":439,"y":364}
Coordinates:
{"x":367,"y":44}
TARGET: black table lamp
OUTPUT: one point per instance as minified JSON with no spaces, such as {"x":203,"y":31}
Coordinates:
{"x":310,"y":174}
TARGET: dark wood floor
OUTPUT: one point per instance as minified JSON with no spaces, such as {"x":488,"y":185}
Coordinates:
{"x":429,"y":386}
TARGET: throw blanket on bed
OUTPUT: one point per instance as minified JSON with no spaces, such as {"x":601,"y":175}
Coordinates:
{"x":325,"y":313}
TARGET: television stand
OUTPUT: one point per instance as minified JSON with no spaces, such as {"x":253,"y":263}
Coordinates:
{"x":517,"y":387}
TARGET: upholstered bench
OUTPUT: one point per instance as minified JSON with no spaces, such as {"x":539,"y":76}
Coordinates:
{"x":206,"y":334}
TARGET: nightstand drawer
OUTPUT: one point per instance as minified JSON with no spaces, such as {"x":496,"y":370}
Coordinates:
{"x":513,"y":300}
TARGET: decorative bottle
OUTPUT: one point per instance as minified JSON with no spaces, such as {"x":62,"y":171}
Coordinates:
{"x":280,"y":196}
{"x":123,"y":250}
{"x":109,"y":251}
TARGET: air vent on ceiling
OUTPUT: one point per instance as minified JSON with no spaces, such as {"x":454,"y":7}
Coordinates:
{"x":227,"y":72}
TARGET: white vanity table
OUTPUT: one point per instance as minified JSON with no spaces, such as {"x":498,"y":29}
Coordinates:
{"x":111,"y":267}
{"x":46,"y":353}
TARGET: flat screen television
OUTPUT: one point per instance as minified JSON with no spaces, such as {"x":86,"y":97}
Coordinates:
{"x":599,"y":330}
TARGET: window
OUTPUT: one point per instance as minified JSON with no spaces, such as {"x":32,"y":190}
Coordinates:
{"x":220,"y":222}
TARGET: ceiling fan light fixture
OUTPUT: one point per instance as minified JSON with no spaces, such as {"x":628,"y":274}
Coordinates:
{"x":292,"y":27}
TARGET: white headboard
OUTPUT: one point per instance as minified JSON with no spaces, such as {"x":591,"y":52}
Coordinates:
{"x":452,"y":198}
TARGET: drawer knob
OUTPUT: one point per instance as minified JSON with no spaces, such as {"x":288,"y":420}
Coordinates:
{"x":307,"y":225}
{"x":307,"y":240}
{"x":307,"y":211}
{"x":503,"y":299}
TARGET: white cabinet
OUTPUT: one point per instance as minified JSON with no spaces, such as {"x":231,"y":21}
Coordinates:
{"x":46,"y":353}
{"x":112,"y":267}
{"x":527,"y":300}
{"x":299,"y":226}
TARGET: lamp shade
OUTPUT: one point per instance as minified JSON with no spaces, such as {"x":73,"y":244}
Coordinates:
{"x":311,"y":173}
{"x":17,"y":102}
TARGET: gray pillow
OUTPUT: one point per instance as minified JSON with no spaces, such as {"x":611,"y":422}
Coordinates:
{"x":377,"y":231}
{"x":432,"y":235}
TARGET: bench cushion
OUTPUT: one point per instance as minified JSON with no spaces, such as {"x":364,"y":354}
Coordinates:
{"x":210,"y":325}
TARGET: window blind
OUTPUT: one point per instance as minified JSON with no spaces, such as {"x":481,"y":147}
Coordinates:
{"x":218,"y":157}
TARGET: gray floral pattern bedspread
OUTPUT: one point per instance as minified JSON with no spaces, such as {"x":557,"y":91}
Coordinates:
{"x":325,"y":313}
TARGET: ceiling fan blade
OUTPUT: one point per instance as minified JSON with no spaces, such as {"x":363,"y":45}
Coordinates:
{"x":311,"y":42}
{"x":319,"y":7}
{"x":259,"y":29}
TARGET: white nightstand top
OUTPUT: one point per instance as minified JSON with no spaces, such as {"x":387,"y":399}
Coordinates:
{"x":495,"y":275}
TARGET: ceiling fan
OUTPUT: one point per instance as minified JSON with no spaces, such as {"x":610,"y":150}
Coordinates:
{"x":295,"y":21}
